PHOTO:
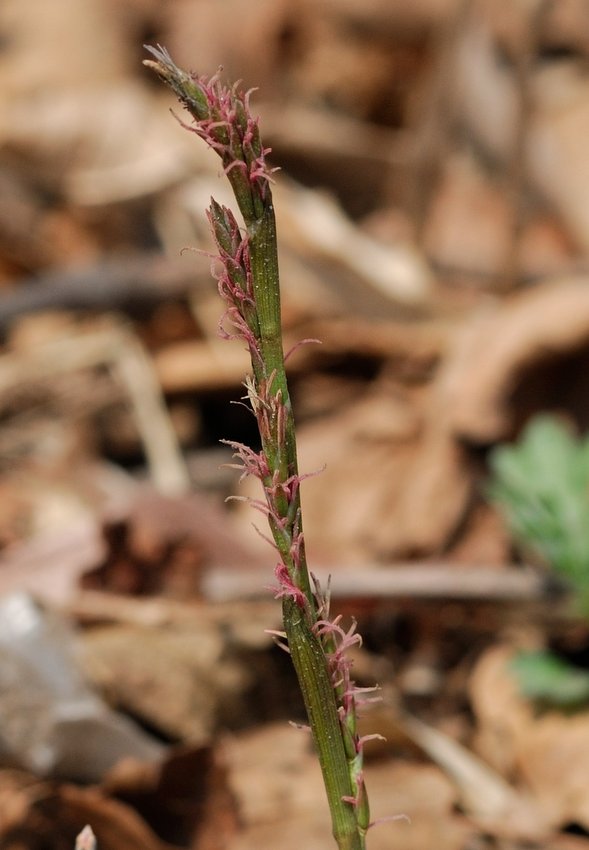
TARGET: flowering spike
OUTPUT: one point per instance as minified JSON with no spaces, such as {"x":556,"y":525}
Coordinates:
{"x":286,"y":587}
{"x":246,"y":270}
{"x":223,"y":120}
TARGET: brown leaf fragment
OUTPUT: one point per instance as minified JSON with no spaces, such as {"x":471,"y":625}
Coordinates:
{"x":56,"y":814}
{"x":546,"y":754}
{"x":523,"y":355}
{"x":175,"y":678}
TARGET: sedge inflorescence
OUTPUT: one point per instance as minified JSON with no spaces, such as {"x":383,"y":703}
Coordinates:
{"x":337,"y":643}
{"x":222,"y":118}
{"x":281,"y":504}
{"x":246,"y":270}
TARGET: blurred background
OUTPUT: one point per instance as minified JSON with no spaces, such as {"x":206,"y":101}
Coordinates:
{"x":434,"y":235}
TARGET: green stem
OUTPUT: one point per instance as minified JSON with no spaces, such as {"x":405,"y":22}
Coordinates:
{"x":309,"y":662}
{"x":266,"y":280}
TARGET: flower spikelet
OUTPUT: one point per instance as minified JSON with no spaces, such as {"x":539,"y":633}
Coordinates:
{"x":222,"y":117}
{"x":337,"y":643}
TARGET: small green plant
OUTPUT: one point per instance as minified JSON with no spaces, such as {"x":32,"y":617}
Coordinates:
{"x":541,"y":485}
{"x":248,"y":282}
{"x":551,"y":681}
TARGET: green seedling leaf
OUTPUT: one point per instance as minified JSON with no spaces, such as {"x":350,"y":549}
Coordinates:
{"x":548,"y":679}
{"x":541,"y":484}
